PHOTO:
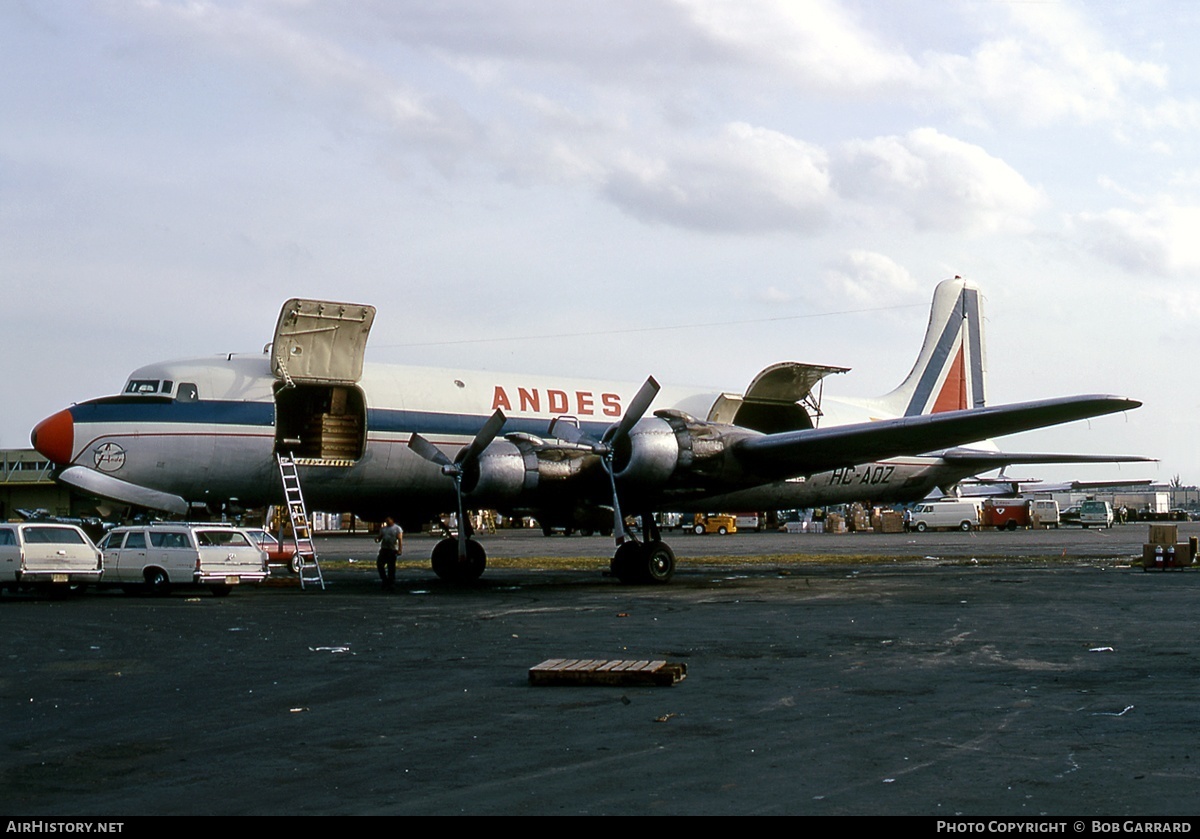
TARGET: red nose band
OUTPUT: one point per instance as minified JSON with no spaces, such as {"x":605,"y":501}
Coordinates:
{"x":54,"y":437}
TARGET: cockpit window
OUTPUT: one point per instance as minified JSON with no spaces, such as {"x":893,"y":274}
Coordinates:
{"x":186,"y":392}
{"x":142,"y":386}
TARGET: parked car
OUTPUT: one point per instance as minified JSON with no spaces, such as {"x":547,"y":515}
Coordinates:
{"x":57,"y":557}
{"x":278,"y":553}
{"x":157,"y":557}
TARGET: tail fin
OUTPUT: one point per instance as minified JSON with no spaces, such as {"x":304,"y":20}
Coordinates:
{"x":951,"y":369}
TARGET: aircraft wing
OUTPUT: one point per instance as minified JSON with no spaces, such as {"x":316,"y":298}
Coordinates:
{"x":806,"y":452}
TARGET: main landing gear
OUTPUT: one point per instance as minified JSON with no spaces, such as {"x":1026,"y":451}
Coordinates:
{"x":448,"y":566}
{"x":648,"y":561}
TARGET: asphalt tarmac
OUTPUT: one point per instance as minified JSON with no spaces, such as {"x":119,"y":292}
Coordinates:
{"x":1001,"y":674}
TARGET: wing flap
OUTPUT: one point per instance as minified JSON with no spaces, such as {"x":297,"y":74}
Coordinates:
{"x":806,"y":452}
{"x":990,"y":460}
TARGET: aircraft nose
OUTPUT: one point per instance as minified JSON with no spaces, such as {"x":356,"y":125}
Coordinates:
{"x":54,"y":437}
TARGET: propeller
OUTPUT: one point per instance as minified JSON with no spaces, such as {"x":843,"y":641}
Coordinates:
{"x":467,"y":458}
{"x":607,"y":445}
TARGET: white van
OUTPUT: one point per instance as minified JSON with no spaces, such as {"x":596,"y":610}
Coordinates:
{"x":1096,"y":514}
{"x":156,"y":557}
{"x":1043,"y":512}
{"x":57,"y":556}
{"x":963,"y":515}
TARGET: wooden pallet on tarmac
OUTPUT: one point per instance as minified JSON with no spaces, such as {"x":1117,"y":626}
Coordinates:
{"x":598,"y":671}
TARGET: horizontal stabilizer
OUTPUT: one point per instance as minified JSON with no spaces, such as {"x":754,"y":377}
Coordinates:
{"x":106,"y":486}
{"x":792,"y":453}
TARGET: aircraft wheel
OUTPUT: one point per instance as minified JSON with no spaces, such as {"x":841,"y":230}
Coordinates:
{"x":920,"y":527}
{"x":628,"y":562}
{"x":157,"y":581}
{"x":446,"y":563}
{"x":660,"y":563}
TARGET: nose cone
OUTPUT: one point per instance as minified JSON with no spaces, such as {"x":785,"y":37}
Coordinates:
{"x":54,"y":437}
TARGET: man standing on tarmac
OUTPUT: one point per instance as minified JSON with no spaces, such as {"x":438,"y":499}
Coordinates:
{"x":391,"y":542}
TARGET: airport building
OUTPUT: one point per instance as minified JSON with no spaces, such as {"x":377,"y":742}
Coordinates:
{"x":26,"y":484}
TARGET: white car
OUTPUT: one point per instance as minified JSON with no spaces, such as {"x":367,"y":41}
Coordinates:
{"x":56,"y":556}
{"x":157,"y":557}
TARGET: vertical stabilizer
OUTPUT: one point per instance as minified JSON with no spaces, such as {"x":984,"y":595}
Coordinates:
{"x":951,"y":369}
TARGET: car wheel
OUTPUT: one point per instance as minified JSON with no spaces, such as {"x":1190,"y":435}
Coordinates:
{"x":698,"y":530}
{"x":157,"y":581}
{"x":921,"y":527}
{"x":965,"y":526}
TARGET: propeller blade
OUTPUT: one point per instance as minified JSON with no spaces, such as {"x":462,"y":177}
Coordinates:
{"x":483,"y":439}
{"x":428,"y":451}
{"x":637,"y":407}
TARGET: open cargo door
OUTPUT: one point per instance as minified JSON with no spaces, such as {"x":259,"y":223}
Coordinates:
{"x":783,"y":397}
{"x":317,"y":358}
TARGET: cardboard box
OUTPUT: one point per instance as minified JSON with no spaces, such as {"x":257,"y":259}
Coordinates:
{"x":1183,"y":556}
{"x":1164,"y":534}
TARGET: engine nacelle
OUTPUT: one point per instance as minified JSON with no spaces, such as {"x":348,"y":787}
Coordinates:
{"x":502,"y":473}
{"x":674,"y":446}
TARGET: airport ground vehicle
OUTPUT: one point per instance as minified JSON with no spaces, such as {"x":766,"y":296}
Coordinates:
{"x":718,"y":523}
{"x":1005,"y":513}
{"x":931,"y":515}
{"x":55,"y":556}
{"x":1096,"y":514}
{"x":157,"y":557}
{"x":750,"y":521}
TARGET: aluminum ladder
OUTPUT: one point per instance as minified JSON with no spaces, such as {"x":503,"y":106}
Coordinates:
{"x":306,"y":553}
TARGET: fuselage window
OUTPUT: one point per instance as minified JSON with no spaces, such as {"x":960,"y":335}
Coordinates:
{"x":186,"y":392}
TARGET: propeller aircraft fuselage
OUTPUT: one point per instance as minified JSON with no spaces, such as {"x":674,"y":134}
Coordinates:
{"x":414,"y":442}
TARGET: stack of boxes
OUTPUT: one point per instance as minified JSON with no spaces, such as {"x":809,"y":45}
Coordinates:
{"x":1165,"y":552}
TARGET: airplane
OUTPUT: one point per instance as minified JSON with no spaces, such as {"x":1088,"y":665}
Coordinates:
{"x":416,"y":442}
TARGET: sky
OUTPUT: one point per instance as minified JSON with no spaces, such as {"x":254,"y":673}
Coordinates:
{"x":691,"y":189}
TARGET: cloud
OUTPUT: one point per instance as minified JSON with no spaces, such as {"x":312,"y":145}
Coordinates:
{"x":937,"y":181}
{"x":816,"y":46}
{"x":744,"y":179}
{"x":1156,"y":240}
{"x":867,"y":277}
{"x":1047,"y":63}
